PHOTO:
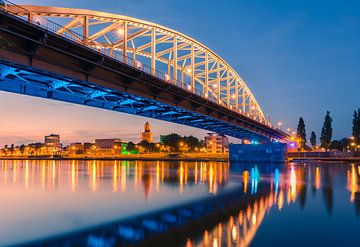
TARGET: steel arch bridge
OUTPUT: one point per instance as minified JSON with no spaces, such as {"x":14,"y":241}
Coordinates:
{"x":182,"y":60}
{"x":157,"y":50}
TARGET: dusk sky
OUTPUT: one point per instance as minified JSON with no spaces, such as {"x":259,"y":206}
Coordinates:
{"x":299,"y":58}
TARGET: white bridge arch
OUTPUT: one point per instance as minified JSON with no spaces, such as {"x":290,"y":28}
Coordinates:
{"x":166,"y":53}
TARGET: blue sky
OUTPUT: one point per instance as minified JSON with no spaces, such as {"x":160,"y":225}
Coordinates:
{"x":299,"y":58}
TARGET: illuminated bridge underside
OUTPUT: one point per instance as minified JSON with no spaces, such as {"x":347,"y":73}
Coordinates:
{"x":19,"y":79}
{"x":42,"y":58}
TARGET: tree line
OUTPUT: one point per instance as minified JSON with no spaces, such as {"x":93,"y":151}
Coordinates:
{"x":326,"y":141}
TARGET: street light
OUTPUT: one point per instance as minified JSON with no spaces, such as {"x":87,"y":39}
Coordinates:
{"x":280,"y":125}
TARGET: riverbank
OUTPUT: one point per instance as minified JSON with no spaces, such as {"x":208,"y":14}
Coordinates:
{"x":333,"y":156}
{"x":326,"y":159}
{"x":144,"y":157}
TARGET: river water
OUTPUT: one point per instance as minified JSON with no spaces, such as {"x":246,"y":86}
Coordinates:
{"x":284,"y":205}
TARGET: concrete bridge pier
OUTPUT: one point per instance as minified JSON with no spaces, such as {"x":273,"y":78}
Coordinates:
{"x":271,"y":152}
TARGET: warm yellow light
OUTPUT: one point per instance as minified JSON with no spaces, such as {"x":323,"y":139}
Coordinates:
{"x":233,"y":96}
{"x":120,"y":31}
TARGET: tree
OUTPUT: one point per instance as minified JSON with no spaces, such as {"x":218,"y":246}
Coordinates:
{"x":22,"y":148}
{"x":192,"y":142}
{"x":130,"y":147}
{"x":148,"y":146}
{"x":356,"y":126}
{"x":172,"y":141}
{"x":326,"y":132}
{"x":337,"y":145}
{"x":301,"y":132}
{"x":313,"y":139}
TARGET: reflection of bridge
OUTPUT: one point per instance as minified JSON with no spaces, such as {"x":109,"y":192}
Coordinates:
{"x":115,"y":64}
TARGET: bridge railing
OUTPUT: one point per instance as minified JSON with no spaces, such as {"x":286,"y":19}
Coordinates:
{"x":117,"y":55}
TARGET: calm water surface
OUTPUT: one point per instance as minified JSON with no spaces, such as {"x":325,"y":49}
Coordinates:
{"x":287,"y":205}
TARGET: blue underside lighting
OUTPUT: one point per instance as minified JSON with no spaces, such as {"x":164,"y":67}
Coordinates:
{"x":29,"y":81}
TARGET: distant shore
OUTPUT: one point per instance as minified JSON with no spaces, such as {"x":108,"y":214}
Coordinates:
{"x":144,"y":157}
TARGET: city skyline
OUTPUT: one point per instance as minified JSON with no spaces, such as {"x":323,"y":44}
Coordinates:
{"x":271,"y":62}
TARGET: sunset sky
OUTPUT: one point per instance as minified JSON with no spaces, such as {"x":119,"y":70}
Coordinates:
{"x":299,"y":58}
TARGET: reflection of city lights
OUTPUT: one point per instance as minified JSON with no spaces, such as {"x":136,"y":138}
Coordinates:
{"x":317,"y":178}
{"x":293,"y":183}
{"x":233,"y":233}
{"x":93,"y":177}
{"x":123,"y":177}
{"x":281,"y":200}
{"x":352,"y":183}
{"x":115,"y":178}
{"x":215,"y":242}
{"x":181,"y":177}
{"x":27,"y":175}
{"x":253,"y":219}
{"x":73,"y":185}
{"x":255,"y":179}
{"x":276,"y":180}
{"x":245,"y":180}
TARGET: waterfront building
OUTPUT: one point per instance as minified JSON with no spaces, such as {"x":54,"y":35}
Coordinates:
{"x":89,"y":147}
{"x":216,"y":143}
{"x":146,"y":135}
{"x":108,"y":146}
{"x":75,"y":148}
{"x":52,"y":143}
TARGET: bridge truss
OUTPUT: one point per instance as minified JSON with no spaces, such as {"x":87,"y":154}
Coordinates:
{"x":161,"y":51}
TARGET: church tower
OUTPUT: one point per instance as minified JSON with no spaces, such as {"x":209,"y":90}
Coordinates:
{"x":146,"y":135}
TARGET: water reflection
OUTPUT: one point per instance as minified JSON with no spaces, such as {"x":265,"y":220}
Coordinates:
{"x":287,"y":185}
{"x":248,"y":198}
{"x":150,"y":176}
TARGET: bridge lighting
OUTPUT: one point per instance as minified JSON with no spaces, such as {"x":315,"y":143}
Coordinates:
{"x":188,"y":70}
{"x":120,"y":31}
{"x":188,"y":87}
{"x":253,"y":108}
{"x":293,"y":132}
{"x":166,"y":77}
{"x":138,"y":65}
{"x":233,"y":96}
{"x":214,"y":85}
{"x":206,"y":95}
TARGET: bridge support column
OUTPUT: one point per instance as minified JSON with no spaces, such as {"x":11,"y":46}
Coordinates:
{"x":175,"y":59}
{"x":125,"y":46}
{"x":206,"y":75}
{"x":86,"y":30}
{"x":267,"y":153}
{"x":153,"y":51}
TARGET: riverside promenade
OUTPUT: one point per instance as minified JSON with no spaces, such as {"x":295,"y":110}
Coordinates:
{"x":146,"y":157}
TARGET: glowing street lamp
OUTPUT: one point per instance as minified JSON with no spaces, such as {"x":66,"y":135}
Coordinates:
{"x":280,"y":125}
